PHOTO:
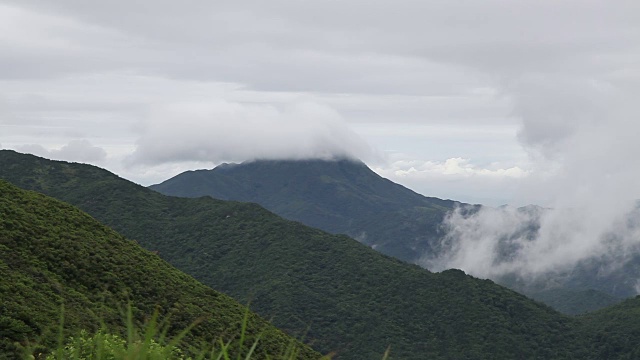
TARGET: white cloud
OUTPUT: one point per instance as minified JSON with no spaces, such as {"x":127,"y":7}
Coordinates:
{"x":531,"y":242}
{"x":458,"y":167}
{"x":76,"y":150}
{"x":459,"y":179}
{"x":400,"y":75}
{"x":224,"y":131}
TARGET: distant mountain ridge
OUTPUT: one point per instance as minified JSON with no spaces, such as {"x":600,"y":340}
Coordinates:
{"x":345,"y":196}
{"x":339,"y":196}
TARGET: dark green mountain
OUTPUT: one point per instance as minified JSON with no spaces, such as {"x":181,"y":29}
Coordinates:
{"x":345,"y":296}
{"x":614,"y":332}
{"x":341,"y":197}
{"x":53,"y":254}
{"x":574,"y":302}
{"x":345,"y":196}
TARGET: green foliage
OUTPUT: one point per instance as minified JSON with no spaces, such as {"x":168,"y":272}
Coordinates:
{"x":574,"y":302}
{"x":339,"y":196}
{"x":345,"y":297}
{"x":346,"y":197}
{"x":112,"y":347}
{"x":614,"y":332}
{"x":52,"y":253}
{"x":150,"y":345}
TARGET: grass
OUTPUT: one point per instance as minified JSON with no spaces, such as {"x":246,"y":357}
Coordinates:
{"x":151,"y":343}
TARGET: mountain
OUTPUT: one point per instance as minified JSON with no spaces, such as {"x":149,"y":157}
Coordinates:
{"x":345,"y":196}
{"x":340,"y":197}
{"x":53,"y":254}
{"x":574,"y":302}
{"x":613,"y":332}
{"x":346,"y":297}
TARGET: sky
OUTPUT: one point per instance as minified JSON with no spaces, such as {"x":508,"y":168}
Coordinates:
{"x":492,"y":102}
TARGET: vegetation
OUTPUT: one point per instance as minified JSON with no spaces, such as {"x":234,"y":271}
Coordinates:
{"x":53,"y":255}
{"x":613,"y":333}
{"x":111,"y":346}
{"x":574,"y":302}
{"x":347,"y":298}
{"x":345,"y":196}
{"x":340,"y":197}
{"x":151,"y":344}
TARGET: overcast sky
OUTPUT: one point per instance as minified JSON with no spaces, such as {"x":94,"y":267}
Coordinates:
{"x":488,"y":101}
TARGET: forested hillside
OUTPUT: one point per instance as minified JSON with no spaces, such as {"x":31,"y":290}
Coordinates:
{"x":54,"y":255}
{"x":339,"y":196}
{"x":614,"y":332}
{"x":347,"y":298}
{"x":345,"y":196}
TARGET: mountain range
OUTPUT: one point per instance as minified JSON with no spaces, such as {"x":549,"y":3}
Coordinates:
{"x":344,"y":196}
{"x":341,"y":295}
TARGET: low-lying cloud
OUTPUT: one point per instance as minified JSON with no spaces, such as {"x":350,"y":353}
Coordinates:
{"x":532,"y":241}
{"x":227,"y":131}
{"x":76,"y":150}
{"x":581,"y":135}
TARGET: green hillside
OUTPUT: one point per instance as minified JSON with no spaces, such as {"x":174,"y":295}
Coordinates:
{"x":338,"y":196}
{"x":51,"y":254}
{"x":614,"y":332}
{"x":574,"y":302}
{"x":345,"y":196}
{"x":346,"y":297}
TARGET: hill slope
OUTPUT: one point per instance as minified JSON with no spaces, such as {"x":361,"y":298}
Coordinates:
{"x":341,"y":197}
{"x":349,"y":298}
{"x":345,"y":196}
{"x":613,"y":333}
{"x":52,"y":254}
{"x":574,"y":302}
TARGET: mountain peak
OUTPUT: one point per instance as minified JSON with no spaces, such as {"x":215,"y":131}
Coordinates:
{"x":341,"y":196}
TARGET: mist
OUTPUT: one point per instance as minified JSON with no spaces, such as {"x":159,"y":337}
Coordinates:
{"x":221,"y":131}
{"x":76,"y":150}
{"x":534,"y":243}
{"x":581,"y":136}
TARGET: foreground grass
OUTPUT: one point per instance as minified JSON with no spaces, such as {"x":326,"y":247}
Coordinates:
{"x":151,"y":343}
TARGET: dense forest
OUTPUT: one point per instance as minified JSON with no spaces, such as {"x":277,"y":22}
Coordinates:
{"x":341,"y":295}
{"x":344,"y":196}
{"x":341,"y":196}
{"x":56,"y":260}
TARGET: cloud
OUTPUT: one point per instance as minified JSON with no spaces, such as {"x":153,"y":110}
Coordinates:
{"x":580,"y":133}
{"x":531,"y":242}
{"x":420,"y":48}
{"x":76,"y":151}
{"x":563,"y":71}
{"x":460,"y":179}
{"x":48,"y":45}
{"x":226,"y":131}
{"x":406,"y":47}
{"x":457,"y":167}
